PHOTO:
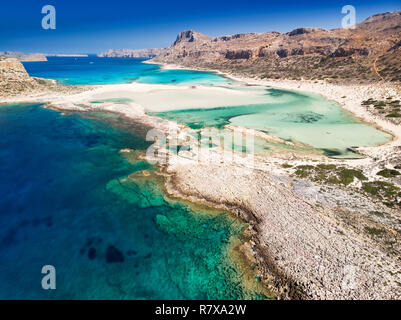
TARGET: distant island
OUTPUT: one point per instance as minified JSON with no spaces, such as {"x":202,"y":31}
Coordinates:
{"x":128,"y":53}
{"x":67,"y":55}
{"x":24,"y":57}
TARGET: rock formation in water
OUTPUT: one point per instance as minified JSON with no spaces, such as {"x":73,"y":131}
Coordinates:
{"x":128,"y":53}
{"x":369,"y":52}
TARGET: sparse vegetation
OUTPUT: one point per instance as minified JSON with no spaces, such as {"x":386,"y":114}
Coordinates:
{"x":393,"y":115}
{"x":337,"y":175}
{"x":374,"y":231}
{"x":388,"y":173}
{"x":329,"y":173}
{"x":385,"y":191}
{"x":389,"y":107}
{"x":347,"y":176}
{"x":378,"y":213}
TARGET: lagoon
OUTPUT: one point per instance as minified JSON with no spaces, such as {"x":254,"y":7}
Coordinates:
{"x":204,"y":99}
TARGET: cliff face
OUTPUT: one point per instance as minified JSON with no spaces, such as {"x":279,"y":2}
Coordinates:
{"x":14,"y":80}
{"x":363,"y":53}
{"x":128,"y":53}
{"x":13,"y":77}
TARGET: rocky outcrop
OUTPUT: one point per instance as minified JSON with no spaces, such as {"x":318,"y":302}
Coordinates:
{"x":14,"y":80}
{"x":128,"y":53}
{"x":190,"y":36}
{"x":322,"y":256}
{"x":346,"y":52}
{"x":239,"y":54}
{"x":13,"y":77}
{"x":310,"y":53}
{"x":299,"y":31}
{"x":282,"y":53}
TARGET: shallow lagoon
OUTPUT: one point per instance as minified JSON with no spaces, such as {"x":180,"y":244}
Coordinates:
{"x":293,"y":116}
{"x":202,"y":99}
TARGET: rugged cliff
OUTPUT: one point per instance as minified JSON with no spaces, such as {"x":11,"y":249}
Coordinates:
{"x":14,"y":80}
{"x":367,"y":53}
{"x":128,"y":53}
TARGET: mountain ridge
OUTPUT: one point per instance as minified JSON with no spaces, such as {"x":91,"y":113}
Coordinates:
{"x":360,"y":54}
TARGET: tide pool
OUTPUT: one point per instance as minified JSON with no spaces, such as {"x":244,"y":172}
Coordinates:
{"x":71,"y":199}
{"x":95,"y":70}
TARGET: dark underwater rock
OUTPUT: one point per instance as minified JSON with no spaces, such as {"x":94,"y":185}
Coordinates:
{"x":131,"y":252}
{"x":92,"y":253}
{"x":114,"y":255}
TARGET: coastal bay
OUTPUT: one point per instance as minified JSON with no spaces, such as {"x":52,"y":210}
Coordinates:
{"x":96,"y":210}
{"x":278,"y":206}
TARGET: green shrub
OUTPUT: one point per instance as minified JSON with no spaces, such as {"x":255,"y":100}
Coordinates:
{"x":393,"y":115}
{"x":326,"y":166}
{"x":378,"y":213}
{"x":388,"y":173}
{"x":347,"y":176}
{"x":333,"y":180}
{"x":374,"y":231}
{"x":385,"y":189}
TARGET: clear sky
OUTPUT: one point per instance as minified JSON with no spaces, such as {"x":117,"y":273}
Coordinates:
{"x":92,"y":26}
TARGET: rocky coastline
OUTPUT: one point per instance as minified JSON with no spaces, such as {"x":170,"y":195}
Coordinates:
{"x":310,"y":238}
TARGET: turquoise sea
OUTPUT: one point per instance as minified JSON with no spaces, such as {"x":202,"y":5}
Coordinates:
{"x":66,"y":200}
{"x":95,"y":70}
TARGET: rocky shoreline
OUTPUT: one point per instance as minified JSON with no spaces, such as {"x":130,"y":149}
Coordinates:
{"x":16,"y":82}
{"x":311,"y":239}
{"x":338,"y":213}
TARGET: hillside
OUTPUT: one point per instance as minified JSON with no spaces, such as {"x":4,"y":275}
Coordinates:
{"x":369,"y":52}
{"x":14,"y":80}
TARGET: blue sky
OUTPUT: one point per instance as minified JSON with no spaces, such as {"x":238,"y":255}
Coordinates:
{"x":88,"y":26}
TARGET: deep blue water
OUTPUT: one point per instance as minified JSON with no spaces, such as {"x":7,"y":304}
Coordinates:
{"x":95,"y":70}
{"x":66,"y":201}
